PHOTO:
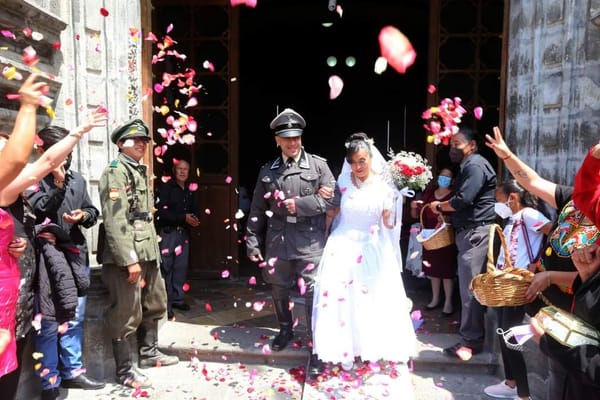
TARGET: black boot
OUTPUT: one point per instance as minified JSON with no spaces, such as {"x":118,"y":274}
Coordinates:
{"x":149,"y":355}
{"x":127,"y":375}
{"x":284,"y":315}
{"x":315,"y":366}
{"x":50,"y":394}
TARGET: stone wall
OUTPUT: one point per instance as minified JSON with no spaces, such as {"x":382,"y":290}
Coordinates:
{"x":98,"y":63}
{"x":553,"y":84}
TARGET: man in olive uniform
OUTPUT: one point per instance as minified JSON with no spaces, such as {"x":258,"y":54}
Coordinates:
{"x":130,"y":257}
{"x":287,"y":222}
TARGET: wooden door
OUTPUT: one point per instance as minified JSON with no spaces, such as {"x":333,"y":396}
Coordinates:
{"x":205,"y":33}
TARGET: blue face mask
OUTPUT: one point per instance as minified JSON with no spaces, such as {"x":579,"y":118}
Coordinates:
{"x":444,"y":181}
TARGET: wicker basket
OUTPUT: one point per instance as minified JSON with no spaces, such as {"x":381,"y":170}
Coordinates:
{"x":501,"y":288}
{"x":441,"y":238}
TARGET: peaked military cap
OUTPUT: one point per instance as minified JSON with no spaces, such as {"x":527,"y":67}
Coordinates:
{"x":288,"y":124}
{"x":129,"y":130}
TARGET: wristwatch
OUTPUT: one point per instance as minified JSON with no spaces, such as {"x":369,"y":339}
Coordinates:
{"x":438,"y":206}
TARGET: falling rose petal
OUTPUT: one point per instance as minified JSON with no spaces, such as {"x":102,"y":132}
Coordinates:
{"x":62,"y":328}
{"x":309,"y":266}
{"x":208,"y":65}
{"x":414,"y":254}
{"x":336,"y":84}
{"x":380,"y":65}
{"x":185,"y":287}
{"x":207,"y":211}
{"x":192,"y":102}
{"x":359,"y":259}
{"x":208,"y":307}
{"x":158,"y":88}
{"x":338,"y":9}
{"x":169,"y":28}
{"x":478,"y":112}
{"x":225,"y":274}
{"x":8,"y":34}
{"x":416,"y":315}
{"x":426,"y":264}
{"x":269,"y":213}
{"x":68,"y":102}
{"x":302,"y":286}
{"x":266,"y":349}
{"x":252,"y":280}
{"x":396,"y":48}
{"x":29,"y":56}
{"x":56,"y":45}
{"x":258,"y":306}
{"x":193,"y":186}
{"x":239,"y":214}
{"x":104,"y":12}
{"x":228,"y":179}
{"x":36,"y":323}
{"x":431,"y":89}
{"x":178,"y":250}
{"x":216,"y":335}
{"x":272,"y":261}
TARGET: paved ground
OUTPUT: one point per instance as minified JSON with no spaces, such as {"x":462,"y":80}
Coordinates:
{"x":221,"y":342}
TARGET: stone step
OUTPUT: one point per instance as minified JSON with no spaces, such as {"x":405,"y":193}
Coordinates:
{"x":251,"y":345}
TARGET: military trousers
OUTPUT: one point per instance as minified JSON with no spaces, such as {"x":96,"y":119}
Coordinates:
{"x":130,"y":304}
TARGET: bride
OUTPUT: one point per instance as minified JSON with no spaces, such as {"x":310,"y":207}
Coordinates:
{"x":360,"y":306}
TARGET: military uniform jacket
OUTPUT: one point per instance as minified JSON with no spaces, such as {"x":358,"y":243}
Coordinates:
{"x":271,"y":230}
{"x":129,"y":238}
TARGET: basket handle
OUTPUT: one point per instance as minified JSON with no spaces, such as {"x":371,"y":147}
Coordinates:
{"x":423,"y":207}
{"x":491,"y":265}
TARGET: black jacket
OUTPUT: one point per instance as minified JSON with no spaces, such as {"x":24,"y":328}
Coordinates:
{"x":52,"y":202}
{"x":61,"y":275}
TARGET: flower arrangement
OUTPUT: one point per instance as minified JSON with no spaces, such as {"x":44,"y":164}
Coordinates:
{"x":441,"y":122}
{"x":409,"y":169}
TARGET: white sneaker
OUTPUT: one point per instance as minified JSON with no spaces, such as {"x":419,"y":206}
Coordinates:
{"x":501,"y":391}
{"x":347,"y":365}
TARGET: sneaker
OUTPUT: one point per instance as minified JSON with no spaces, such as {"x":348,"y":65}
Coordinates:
{"x":501,"y":391}
{"x":347,"y":365}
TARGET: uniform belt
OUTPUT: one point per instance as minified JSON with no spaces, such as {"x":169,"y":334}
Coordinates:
{"x":471,"y":226}
{"x":292,"y":219}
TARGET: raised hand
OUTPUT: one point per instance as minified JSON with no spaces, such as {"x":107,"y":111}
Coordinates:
{"x":497,"y":144}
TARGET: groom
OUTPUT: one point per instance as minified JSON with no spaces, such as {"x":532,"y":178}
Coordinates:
{"x":291,"y":190}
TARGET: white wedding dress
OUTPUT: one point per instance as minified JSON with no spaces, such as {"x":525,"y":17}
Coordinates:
{"x":360,"y":306}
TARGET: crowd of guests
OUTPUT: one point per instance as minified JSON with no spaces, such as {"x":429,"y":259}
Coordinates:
{"x":335,"y":238}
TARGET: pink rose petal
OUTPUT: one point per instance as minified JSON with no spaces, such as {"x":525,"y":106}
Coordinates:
{"x":336,"y":84}
{"x":478,"y":112}
{"x":396,"y":48}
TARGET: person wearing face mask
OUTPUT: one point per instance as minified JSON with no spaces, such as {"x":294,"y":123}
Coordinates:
{"x":439,"y":265}
{"x":523,"y":233}
{"x":62,"y":198}
{"x":472,"y":208}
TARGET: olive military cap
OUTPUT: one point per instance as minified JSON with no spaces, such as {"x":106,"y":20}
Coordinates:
{"x":129,"y":130}
{"x":288,"y":124}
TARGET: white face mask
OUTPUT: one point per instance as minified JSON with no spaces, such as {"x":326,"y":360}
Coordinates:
{"x":503,"y":210}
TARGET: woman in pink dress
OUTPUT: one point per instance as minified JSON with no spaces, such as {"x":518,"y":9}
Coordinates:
{"x":13,"y":159}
